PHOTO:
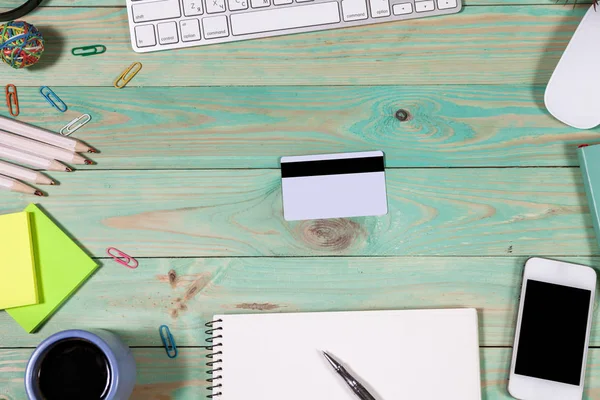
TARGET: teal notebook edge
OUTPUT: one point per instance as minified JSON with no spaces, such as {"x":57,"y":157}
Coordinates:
{"x":589,"y":163}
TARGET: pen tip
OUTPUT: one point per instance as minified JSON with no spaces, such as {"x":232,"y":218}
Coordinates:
{"x":38,"y":193}
{"x":68,"y":169}
{"x":331,"y":361}
{"x":52,"y":183}
{"x":88,"y":162}
{"x":92,"y":150}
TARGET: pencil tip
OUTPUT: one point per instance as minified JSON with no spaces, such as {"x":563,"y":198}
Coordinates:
{"x":68,"y":169}
{"x":38,"y":193}
{"x":88,"y":162}
{"x":92,"y":150}
{"x":52,"y":183}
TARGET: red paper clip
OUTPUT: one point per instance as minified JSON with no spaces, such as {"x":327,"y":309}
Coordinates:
{"x":122,"y":258}
{"x":12,"y":100}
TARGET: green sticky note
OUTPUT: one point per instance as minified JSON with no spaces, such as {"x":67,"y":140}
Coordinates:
{"x":62,"y":266}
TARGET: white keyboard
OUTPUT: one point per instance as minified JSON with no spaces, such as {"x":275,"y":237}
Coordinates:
{"x":173,"y":24}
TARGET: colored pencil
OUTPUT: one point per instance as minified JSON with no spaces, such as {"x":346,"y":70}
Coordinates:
{"x":24,"y":174}
{"x":8,"y":153}
{"x":16,"y":186}
{"x":43,"y":135}
{"x":41,"y":149}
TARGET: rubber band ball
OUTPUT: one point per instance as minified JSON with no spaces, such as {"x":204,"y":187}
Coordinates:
{"x":21,"y":44}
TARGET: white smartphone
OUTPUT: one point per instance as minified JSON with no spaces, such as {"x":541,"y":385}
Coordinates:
{"x":553,"y":331}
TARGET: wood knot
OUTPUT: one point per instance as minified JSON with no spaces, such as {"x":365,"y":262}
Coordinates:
{"x":331,"y":234}
{"x":402,"y":115}
{"x":172,"y":278}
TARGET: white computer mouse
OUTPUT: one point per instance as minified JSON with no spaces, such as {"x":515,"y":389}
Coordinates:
{"x":573,"y":93}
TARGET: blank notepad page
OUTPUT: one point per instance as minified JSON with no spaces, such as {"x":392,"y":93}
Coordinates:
{"x":396,"y":355}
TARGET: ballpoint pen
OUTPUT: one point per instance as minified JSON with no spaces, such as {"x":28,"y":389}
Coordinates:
{"x":356,"y":387}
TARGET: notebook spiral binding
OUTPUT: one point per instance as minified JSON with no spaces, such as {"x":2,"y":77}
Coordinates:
{"x":214,"y":371}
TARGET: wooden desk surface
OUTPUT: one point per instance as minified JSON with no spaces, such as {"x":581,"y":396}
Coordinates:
{"x":479,"y":179}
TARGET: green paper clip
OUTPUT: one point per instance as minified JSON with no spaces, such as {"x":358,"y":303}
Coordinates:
{"x":85,"y":51}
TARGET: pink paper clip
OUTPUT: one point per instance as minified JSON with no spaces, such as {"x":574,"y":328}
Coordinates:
{"x":122,"y":258}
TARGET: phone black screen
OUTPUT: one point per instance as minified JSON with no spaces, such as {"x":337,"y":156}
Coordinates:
{"x":553,"y":327}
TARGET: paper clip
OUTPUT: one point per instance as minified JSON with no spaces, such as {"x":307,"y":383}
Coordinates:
{"x":127,"y":75}
{"x":12,"y":100}
{"x":85,"y":51}
{"x":53,"y":99}
{"x":75,"y":124}
{"x":168,"y":341}
{"x":122,"y":258}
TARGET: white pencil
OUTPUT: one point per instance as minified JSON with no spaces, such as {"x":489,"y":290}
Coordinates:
{"x":24,"y":174}
{"x":43,"y":135}
{"x":16,"y":186}
{"x":42,"y":149}
{"x":11,"y":154}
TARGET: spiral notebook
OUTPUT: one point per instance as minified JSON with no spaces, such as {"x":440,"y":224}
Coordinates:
{"x":396,"y":355}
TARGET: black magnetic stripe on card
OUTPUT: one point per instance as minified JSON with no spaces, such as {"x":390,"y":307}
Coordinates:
{"x":332,"y":167}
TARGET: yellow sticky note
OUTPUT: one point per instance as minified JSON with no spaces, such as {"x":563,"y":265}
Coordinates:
{"x":17,"y":268}
{"x":62,"y":266}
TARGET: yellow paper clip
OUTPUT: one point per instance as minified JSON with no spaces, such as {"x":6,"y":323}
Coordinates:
{"x":75,"y":124}
{"x":128,"y":75}
{"x":12,"y":100}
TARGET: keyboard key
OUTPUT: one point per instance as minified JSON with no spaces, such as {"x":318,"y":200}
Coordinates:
{"x":192,"y":7}
{"x":260,"y":3}
{"x":215,"y":27}
{"x":156,"y":10}
{"x":190,"y":30}
{"x":285,"y":18}
{"x":445,"y":4}
{"x":215,"y":6}
{"x":423,"y":6}
{"x":167,"y":33}
{"x":380,"y":8}
{"x":353,"y":10}
{"x":404,"y":8}
{"x":144,"y":36}
{"x":282,"y":2}
{"x":235,"y":5}
{"x":302,"y":1}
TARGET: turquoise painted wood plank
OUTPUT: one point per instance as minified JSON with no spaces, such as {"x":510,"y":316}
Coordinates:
{"x":239,"y":213}
{"x":135,"y":303}
{"x":252,"y":127}
{"x":507,"y":45}
{"x":160,"y":378}
{"x":121,"y":3}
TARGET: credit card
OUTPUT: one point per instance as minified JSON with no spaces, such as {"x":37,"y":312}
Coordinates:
{"x":333,"y":186}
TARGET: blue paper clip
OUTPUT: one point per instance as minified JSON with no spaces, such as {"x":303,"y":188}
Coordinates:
{"x":168,"y":341}
{"x":53,"y":99}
